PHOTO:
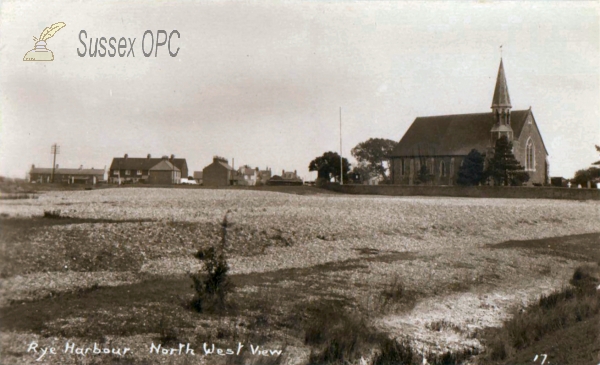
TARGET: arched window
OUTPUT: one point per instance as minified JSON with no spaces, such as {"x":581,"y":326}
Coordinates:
{"x":530,"y":156}
{"x":442,"y":169}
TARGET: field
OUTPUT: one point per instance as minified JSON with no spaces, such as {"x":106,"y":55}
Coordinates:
{"x":113,"y":266}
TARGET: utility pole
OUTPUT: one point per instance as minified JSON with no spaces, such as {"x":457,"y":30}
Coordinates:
{"x":55,"y":150}
{"x":341,"y":158}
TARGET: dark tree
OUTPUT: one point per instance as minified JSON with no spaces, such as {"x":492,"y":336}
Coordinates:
{"x":328,"y":166}
{"x":375,"y":152}
{"x":471,"y":171}
{"x":423,"y":175}
{"x":360,"y":173}
{"x":503,"y":167}
{"x":583,"y":176}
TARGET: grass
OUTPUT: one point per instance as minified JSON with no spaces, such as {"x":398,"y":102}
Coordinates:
{"x":337,"y":335}
{"x":581,"y":247}
{"x":557,"y":312}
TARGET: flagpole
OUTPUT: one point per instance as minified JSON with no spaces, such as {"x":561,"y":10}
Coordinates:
{"x":341,"y":158}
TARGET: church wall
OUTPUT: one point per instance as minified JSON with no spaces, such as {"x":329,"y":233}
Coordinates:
{"x":411,"y":166}
{"x":537,"y":175}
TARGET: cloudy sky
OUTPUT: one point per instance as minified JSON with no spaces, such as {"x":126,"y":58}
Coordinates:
{"x":262,"y":82}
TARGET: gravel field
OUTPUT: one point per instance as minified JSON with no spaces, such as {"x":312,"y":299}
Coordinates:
{"x":430,"y":244}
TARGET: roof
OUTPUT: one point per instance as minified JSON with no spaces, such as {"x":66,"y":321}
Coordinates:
{"x":501,"y":97}
{"x":247,"y":171}
{"x":226,"y":165}
{"x":164,"y":165}
{"x":67,"y":171}
{"x":134,"y":163}
{"x":453,"y":135}
{"x":198,"y":174}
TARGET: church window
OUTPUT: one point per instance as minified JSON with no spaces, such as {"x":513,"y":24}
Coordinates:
{"x":530,"y":156}
{"x":442,"y":169}
{"x":452,"y":166}
{"x":402,"y":170}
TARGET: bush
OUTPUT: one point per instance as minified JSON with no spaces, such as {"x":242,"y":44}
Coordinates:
{"x":338,"y":334}
{"x":552,"y":312}
{"x":212,"y":286}
{"x":585,"y":277}
{"x":393,"y":352}
{"x":52,"y":214}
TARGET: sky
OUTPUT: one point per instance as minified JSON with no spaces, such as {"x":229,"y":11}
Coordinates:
{"x":263,"y":82}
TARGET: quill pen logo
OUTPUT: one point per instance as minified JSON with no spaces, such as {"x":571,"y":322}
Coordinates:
{"x":40,"y":52}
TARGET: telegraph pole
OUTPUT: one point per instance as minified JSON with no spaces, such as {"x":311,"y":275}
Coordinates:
{"x":341,"y":158}
{"x":55,"y":150}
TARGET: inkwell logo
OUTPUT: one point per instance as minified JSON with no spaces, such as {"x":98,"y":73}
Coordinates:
{"x":40,"y":52}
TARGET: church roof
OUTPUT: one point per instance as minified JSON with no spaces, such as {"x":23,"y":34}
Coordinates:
{"x":453,"y":135}
{"x":501,"y":97}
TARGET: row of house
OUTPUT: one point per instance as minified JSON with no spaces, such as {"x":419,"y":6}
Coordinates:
{"x":165,"y":170}
{"x":66,"y":176}
{"x":220,"y":173}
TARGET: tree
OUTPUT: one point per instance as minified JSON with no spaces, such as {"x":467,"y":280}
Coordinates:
{"x":583,"y":176}
{"x":503,"y":167}
{"x":213,"y":286}
{"x":375,"y":152}
{"x":361,"y":173}
{"x":328,"y":166}
{"x":471,"y":171}
{"x":423,"y":175}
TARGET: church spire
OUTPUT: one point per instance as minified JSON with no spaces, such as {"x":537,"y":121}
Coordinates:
{"x":501,"y":98}
{"x":501,"y":108}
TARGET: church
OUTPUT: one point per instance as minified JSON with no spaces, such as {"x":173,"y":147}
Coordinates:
{"x":442,"y":142}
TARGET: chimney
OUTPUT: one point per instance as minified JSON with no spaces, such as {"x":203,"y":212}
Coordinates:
{"x":282,"y":172}
{"x":80,"y":167}
{"x":33,"y":166}
{"x":233,"y":163}
{"x":126,"y":155}
{"x":149,"y":156}
{"x":295,"y":174}
{"x":172,"y":157}
{"x":57,"y":166}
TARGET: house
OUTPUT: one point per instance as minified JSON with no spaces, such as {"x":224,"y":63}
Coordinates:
{"x":198,"y":177}
{"x":164,"y":173}
{"x":135,"y":169}
{"x":289,"y":174}
{"x":248,"y":176}
{"x":219,"y":173}
{"x":442,"y":142}
{"x":264,"y":176}
{"x":286,"y":178}
{"x":66,"y":175}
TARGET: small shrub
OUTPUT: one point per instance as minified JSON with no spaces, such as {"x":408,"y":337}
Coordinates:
{"x":396,"y":293}
{"x":213,"y":286}
{"x":394,"y":352}
{"x":498,"y":349}
{"x":168,"y":335}
{"x":438,"y":326}
{"x":52,"y":214}
{"x":585,"y":277}
{"x":338,"y":335}
{"x":452,"y":358}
